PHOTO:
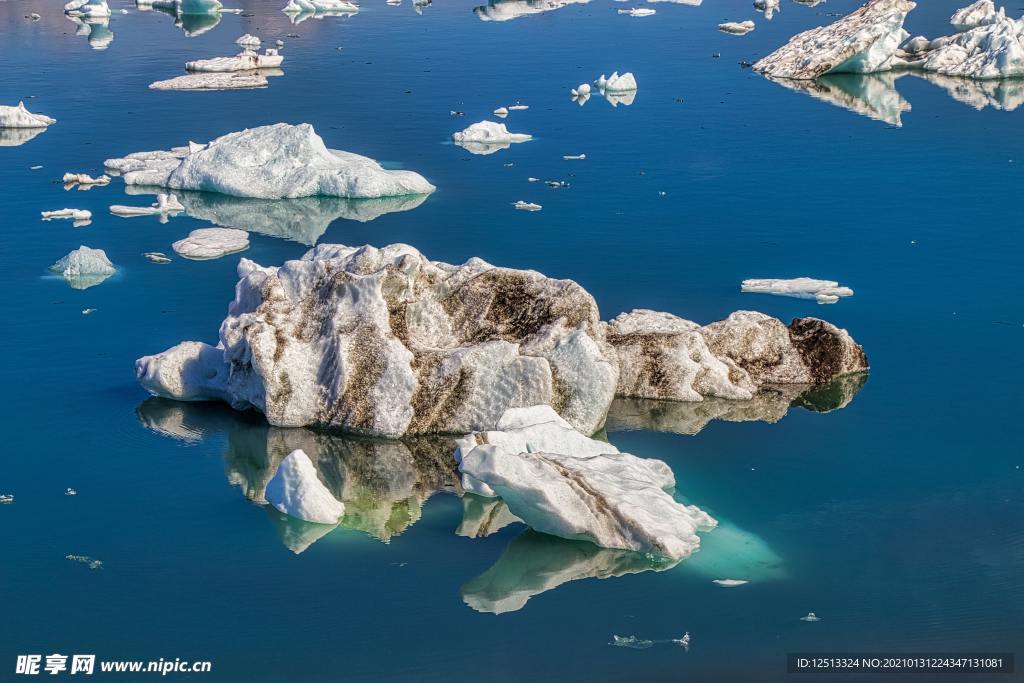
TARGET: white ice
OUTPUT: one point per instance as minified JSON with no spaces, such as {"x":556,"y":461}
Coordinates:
{"x":736,"y":28}
{"x":823,"y":291}
{"x":211,"y":243}
{"x":20,"y":117}
{"x":84,"y":267}
{"x":165,"y":205}
{"x":297,"y":491}
{"x":246,"y":60}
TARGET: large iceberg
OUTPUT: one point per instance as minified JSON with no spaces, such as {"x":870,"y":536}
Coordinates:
{"x":20,"y":117}
{"x":295,"y":490}
{"x":988,"y":45}
{"x":614,"y":500}
{"x":386,"y":342}
{"x":269,"y":162}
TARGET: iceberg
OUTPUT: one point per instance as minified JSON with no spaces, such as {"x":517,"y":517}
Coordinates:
{"x":737,"y":28}
{"x":249,"y":41}
{"x":981,"y":12}
{"x":246,"y":60}
{"x":526,"y":206}
{"x":320,"y":6}
{"x":165,"y":205}
{"x":385,"y":342}
{"x":84,"y":181}
{"x":730,"y":583}
{"x":210,"y":243}
{"x":638,"y":11}
{"x":994,"y":49}
{"x":270,"y":162}
{"x":213,"y":81}
{"x":84,"y":267}
{"x":535,"y":563}
{"x":77,"y":215}
{"x":767,"y":7}
{"x":488,"y":134}
{"x":822,"y":291}
{"x":20,"y":117}
{"x":506,"y":10}
{"x":296,"y":491}
{"x":615,"y":500}
{"x":616,"y":83}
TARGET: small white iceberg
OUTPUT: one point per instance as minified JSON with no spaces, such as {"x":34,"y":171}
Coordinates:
{"x":811,"y":616}
{"x":501,"y":111}
{"x":156,"y":257}
{"x":249,"y":41}
{"x":736,"y":28}
{"x":767,"y":7}
{"x":84,"y":267}
{"x":19,"y":117}
{"x":574,"y":157}
{"x":6,"y":498}
{"x":210,"y":243}
{"x":320,"y":7}
{"x":490,"y":133}
{"x":581,"y":93}
{"x":246,"y":60}
{"x":527,"y":206}
{"x":164,"y":206}
{"x":297,"y":491}
{"x":518,"y":107}
{"x":638,"y":11}
{"x":84,"y":181}
{"x":79,"y":216}
{"x":730,"y":583}
{"x":70,"y":492}
{"x":616,"y":83}
{"x":822,"y":291}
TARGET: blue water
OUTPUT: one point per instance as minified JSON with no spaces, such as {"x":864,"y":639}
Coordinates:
{"x":897,"y":519}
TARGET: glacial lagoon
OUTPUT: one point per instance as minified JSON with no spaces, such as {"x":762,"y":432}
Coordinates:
{"x":888,"y":503}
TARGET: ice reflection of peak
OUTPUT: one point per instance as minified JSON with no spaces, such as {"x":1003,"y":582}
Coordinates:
{"x":769,"y":405}
{"x":534,"y":563}
{"x":871,"y":95}
{"x":193,"y":23}
{"x":12,"y":137}
{"x":382,"y":483}
{"x":303,"y":220}
{"x":96,"y":30}
{"x":505,"y":10}
{"x":483,"y":516}
{"x":1005,"y":94}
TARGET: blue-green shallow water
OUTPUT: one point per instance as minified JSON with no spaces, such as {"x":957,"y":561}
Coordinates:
{"x":896,"y":519}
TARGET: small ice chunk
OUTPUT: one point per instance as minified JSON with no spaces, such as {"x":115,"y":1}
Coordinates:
{"x":157,"y":257}
{"x":489,"y":132}
{"x":77,"y":215}
{"x":320,"y":6}
{"x":231,"y":80}
{"x":6,"y":498}
{"x":736,"y":28}
{"x":20,"y":117}
{"x":730,"y":583}
{"x":88,"y":311}
{"x":86,"y":560}
{"x":249,"y":41}
{"x":70,"y":492}
{"x":631,"y":642}
{"x":518,"y":107}
{"x":768,"y":7}
{"x":533,"y":180}
{"x":84,"y":179}
{"x":616,"y":83}
{"x":211,"y":243}
{"x":581,"y":93}
{"x":501,"y":111}
{"x":527,"y":206}
{"x":811,"y":616}
{"x":683,"y":642}
{"x":165,"y":205}
{"x":823,"y":291}
{"x":638,"y":11}
{"x":296,"y":491}
{"x":574,"y":157}
{"x":84,"y":267}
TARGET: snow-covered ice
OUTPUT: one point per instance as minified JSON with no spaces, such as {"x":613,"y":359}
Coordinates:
{"x":269,"y":162}
{"x":616,"y":82}
{"x":297,"y":491}
{"x":737,"y":28}
{"x":822,"y":291}
{"x":489,"y":133}
{"x":976,"y":14}
{"x":246,"y":60}
{"x":77,"y":215}
{"x":84,"y":181}
{"x":248,"y":41}
{"x":164,"y":206}
{"x":213,"y":81}
{"x":320,"y":7}
{"x":211,"y":243}
{"x":20,"y":117}
{"x":526,"y":206}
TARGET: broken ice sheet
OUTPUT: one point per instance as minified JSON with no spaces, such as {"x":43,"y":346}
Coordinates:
{"x":90,"y":562}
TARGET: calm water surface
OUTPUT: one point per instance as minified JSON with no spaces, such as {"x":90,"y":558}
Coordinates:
{"x":897,"y":519}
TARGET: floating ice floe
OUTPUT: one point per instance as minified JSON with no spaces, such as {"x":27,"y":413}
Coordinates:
{"x":156,"y":257}
{"x":581,"y":93}
{"x":638,"y":11}
{"x":164,"y":206}
{"x":246,"y":60}
{"x":811,"y":616}
{"x":454,"y":347}
{"x":20,"y":117}
{"x":737,"y":28}
{"x":84,"y":181}
{"x":594,"y":492}
{"x":506,"y":10}
{"x":767,"y":7}
{"x":249,"y":41}
{"x":90,"y":562}
{"x":616,"y":82}
{"x":70,"y":492}
{"x":527,"y":206}
{"x":632,"y":642}
{"x":822,"y":291}
{"x":79,"y":216}
{"x":296,"y":491}
{"x":269,"y":162}
{"x":87,"y":9}
{"x":6,"y":498}
{"x":84,"y":267}
{"x":989,"y":45}
{"x":730,"y":583}
{"x":501,"y":112}
{"x":320,"y":7}
{"x":211,"y":243}
{"x":574,"y":157}
{"x":216,"y":81}
{"x":489,"y":133}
